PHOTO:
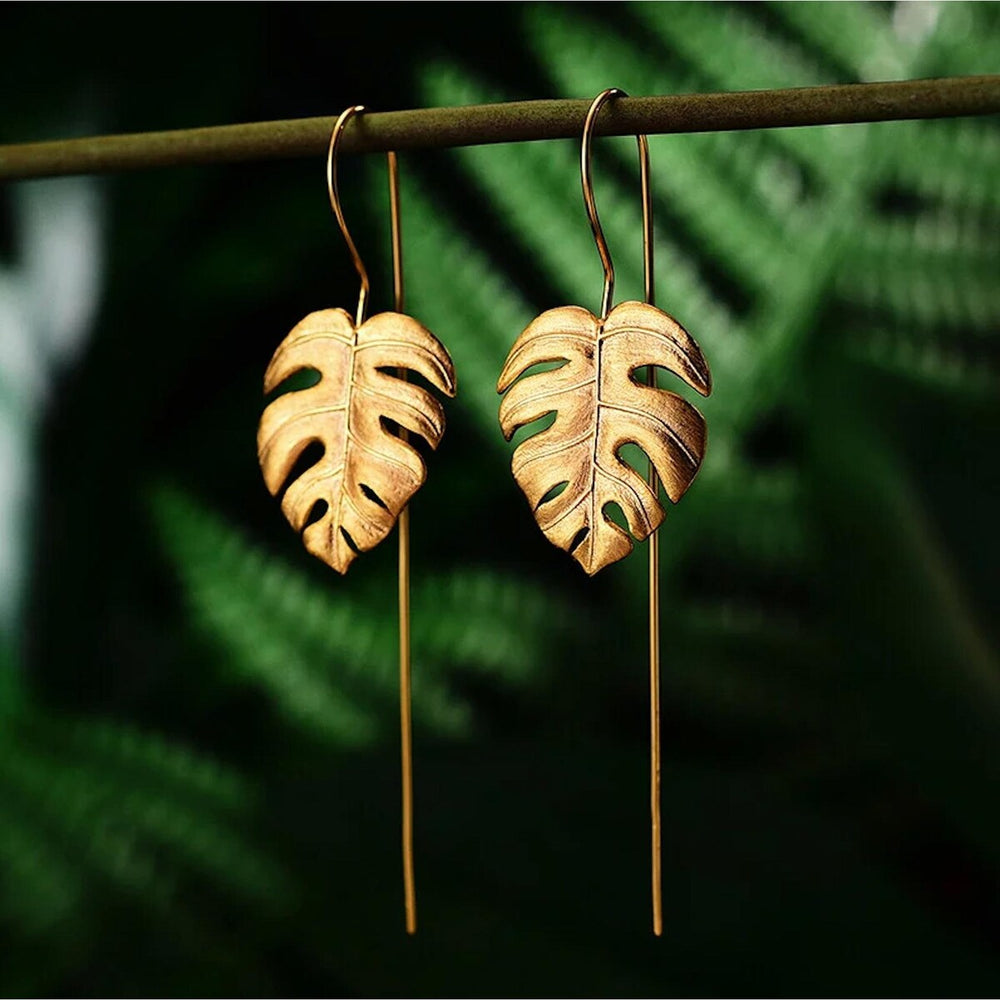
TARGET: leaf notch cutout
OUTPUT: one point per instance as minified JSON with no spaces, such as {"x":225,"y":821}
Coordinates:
{"x":599,"y":408}
{"x":366,"y":474}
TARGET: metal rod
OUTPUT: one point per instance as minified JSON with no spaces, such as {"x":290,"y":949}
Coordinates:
{"x":405,"y":711}
{"x":515,"y":122}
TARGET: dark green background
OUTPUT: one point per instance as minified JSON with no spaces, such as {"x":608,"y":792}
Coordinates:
{"x":198,"y":759}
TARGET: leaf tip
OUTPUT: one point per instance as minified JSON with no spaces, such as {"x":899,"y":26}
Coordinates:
{"x":704,"y":383}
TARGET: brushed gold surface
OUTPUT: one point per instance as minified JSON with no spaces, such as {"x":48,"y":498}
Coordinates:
{"x":366,"y":474}
{"x":600,"y":407}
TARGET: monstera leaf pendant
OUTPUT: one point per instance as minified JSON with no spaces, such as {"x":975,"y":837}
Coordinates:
{"x":348,"y":501}
{"x":573,"y":470}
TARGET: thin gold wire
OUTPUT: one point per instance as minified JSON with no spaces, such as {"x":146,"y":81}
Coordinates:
{"x":654,"y":573}
{"x":334,"y":192}
{"x":654,"y":542}
{"x":586,"y":180}
{"x":405,"y":700}
{"x":405,"y":716}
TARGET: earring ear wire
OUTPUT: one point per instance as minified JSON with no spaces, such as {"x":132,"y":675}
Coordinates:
{"x":350,"y":498}
{"x":653,"y":589}
{"x":403,"y":588}
{"x":333,"y":189}
{"x":572,"y":471}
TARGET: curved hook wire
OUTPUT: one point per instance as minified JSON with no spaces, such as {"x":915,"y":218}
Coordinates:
{"x":595,"y":222}
{"x":334,"y":192}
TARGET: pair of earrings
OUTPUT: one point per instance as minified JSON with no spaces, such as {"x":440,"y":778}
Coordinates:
{"x":363,"y":410}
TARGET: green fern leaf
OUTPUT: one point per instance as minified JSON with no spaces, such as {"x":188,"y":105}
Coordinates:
{"x":858,"y":37}
{"x":92,"y":805}
{"x":327,"y":656}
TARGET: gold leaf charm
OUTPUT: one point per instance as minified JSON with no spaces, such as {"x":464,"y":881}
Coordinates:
{"x":367,"y":474}
{"x":599,"y":408}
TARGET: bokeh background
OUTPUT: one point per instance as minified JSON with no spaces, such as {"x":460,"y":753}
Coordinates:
{"x":198,"y":749}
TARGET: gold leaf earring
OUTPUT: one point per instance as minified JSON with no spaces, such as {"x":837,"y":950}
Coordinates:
{"x":362,"y":411}
{"x":573,"y":470}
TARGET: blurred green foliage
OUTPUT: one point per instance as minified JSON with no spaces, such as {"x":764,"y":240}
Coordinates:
{"x":831,"y":687}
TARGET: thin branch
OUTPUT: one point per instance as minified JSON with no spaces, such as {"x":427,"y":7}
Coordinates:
{"x":516,"y":122}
